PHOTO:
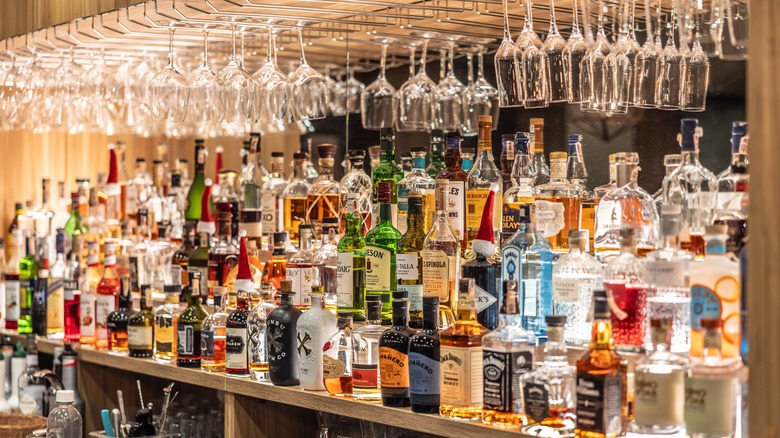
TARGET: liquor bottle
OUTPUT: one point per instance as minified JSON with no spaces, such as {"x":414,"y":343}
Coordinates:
{"x":668,"y":275}
{"x":75,"y":225}
{"x":536,"y":135}
{"x":72,"y":298}
{"x":548,"y":392}
{"x":28,"y":274}
{"x":198,"y":186}
{"x":282,"y":341}
{"x":213,"y":335}
{"x":671,"y":162}
{"x":417,"y":181}
{"x":601,"y":382}
{"x":177,"y":202}
{"x":694,"y":188}
{"x":659,"y":391}
{"x":603,"y":189}
{"x":575,"y":276}
{"x":461,"y":359}
{"x":107,"y":295}
{"x":295,"y":197}
{"x":199,"y":258}
{"x":527,"y":259}
{"x":483,"y":177}
{"x":55,"y":295}
{"x":276,"y":268}
{"x":323,"y":195}
{"x":356,"y":184}
{"x":712,"y":388}
{"x":271,"y":192}
{"x":440,"y":257}
{"x":468,"y":159}
{"x":314,"y":327}
{"x":365,"y":353}
{"x":715,"y":287}
{"x":558,"y":205}
{"x":252,"y":180}
{"x":456,"y":189}
{"x":256,"y":332}
{"x":436,"y":163}
{"x":485,"y":271}
{"x":223,"y":256}
{"x":189,"y":324}
{"x":337,"y":358}
{"x":165,"y":325}
{"x":406,"y":163}
{"x":351,"y":263}
{"x":508,"y":353}
{"x":424,"y":368}
{"x":521,"y":190}
{"x":625,"y":280}
{"x":299,"y":267}
{"x":38,"y":305}
{"x":116,"y":323}
{"x":180,"y":261}
{"x":507,"y":160}
{"x":88,"y":299}
{"x":13,"y":296}
{"x":628,"y":206}
{"x":155,"y":202}
{"x":44,"y":213}
{"x":228,"y":200}
{"x":325,"y":261}
{"x":237,"y":335}
{"x":140,"y":327}
{"x":381,"y":249}
{"x":245,"y":342}
{"x":577,"y":174}
{"x":408,"y":263}
{"x":739,"y":157}
{"x":309,"y":170}
{"x":394,"y":355}
{"x":734,"y":215}
{"x":18,"y":221}
{"x":389,"y":172}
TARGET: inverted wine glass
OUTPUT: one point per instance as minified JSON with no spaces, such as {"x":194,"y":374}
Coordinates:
{"x":376,"y":101}
{"x":235,"y":88}
{"x":448,"y":98}
{"x":308,"y":89}
{"x":169,"y":90}
{"x":271,"y":88}
{"x":414,"y":102}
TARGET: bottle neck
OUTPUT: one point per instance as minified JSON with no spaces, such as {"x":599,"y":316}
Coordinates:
{"x":715,"y":247}
{"x":286,"y":299}
{"x":431,"y":318}
{"x":672,"y":242}
{"x":555,"y":348}
{"x":601,"y":333}
{"x":385,"y":212}
{"x":299,"y":169}
{"x":418,"y":161}
{"x":304,"y":241}
{"x":712,"y":344}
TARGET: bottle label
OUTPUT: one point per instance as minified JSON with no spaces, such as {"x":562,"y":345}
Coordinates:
{"x":185,"y":336}
{"x":302,"y":279}
{"x":55,"y":305}
{"x":536,"y":401}
{"x":394,"y":367}
{"x":529,"y":297}
{"x":566,"y":290}
{"x":253,"y":229}
{"x":403,"y":210}
{"x":204,"y":275}
{"x":455,"y":207}
{"x":269,"y":212}
{"x":275,"y":333}
{"x":12,"y":299}
{"x":139,"y":337}
{"x":70,"y":286}
{"x":665,"y":273}
{"x":475,"y":204}
{"x":87,"y":314}
{"x":709,"y":406}
{"x":105,"y":304}
{"x":415,"y":295}
{"x":549,"y":217}
{"x":510,"y":220}
{"x":332,"y":367}
{"x":378,"y":272}
{"x":163,"y":335}
{"x":345,"y":289}
{"x":257,"y":350}
{"x":461,"y":376}
{"x":437,"y":274}
{"x":705,"y":303}
{"x":558,"y":169}
{"x":659,"y":398}
{"x":365,"y":376}
{"x":235,"y":349}
{"x":424,"y":375}
{"x":484,"y":298}
{"x":502,"y":373}
{"x":599,"y":403}
{"x":406,"y":266}
{"x":207,"y":343}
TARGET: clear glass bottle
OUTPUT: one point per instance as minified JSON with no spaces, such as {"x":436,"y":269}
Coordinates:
{"x":603,"y":189}
{"x":365,"y":353}
{"x":237,"y":335}
{"x":558,"y":204}
{"x":540,"y":168}
{"x":116,"y":323}
{"x":228,"y":200}
{"x":417,"y":181}
{"x":521,"y":192}
{"x":64,"y":420}
{"x":295,"y":198}
{"x":164,"y":325}
{"x":508,"y":353}
{"x":381,"y":249}
{"x":87,"y":302}
{"x":671,"y":162}
{"x":735,"y":215}
{"x":197,"y":187}
{"x":213,"y":335}
{"x":455,"y":189}
{"x":55,"y":296}
{"x":507,"y":160}
{"x":394,"y":355}
{"x":351,"y":263}
{"x":254,"y":174}
{"x":436,"y":163}
{"x":310,"y":170}
{"x":575,"y":276}
{"x":223,"y":256}
{"x":271,"y":192}
{"x":578,"y":175}
{"x":337,"y":358}
{"x":281,"y":339}
{"x":276,"y":268}
{"x":739,"y":156}
{"x":408,"y":263}
{"x":483,"y":177}
{"x":424,"y":368}
{"x":300,"y":269}
{"x":107,"y":293}
{"x":387,"y":171}
{"x":257,"y":329}
{"x":548,"y":392}
{"x":326,"y":260}
{"x":315,"y":327}
{"x":13,"y":295}
{"x":323,"y":196}
{"x":356,"y":184}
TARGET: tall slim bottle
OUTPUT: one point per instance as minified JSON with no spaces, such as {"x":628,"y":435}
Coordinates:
{"x":483,"y":177}
{"x":541,"y":169}
{"x":387,"y":171}
{"x":455,"y":189}
{"x":281,"y":338}
{"x":188,"y":326}
{"x":521,"y":190}
{"x":295,"y":197}
{"x":28,"y":275}
{"x":351,"y":264}
{"x":408,"y":263}
{"x":314,"y":327}
{"x":507,"y":160}
{"x":381,"y":248}
{"x":300,"y":268}
{"x":87,"y":304}
{"x":107,"y":294}
{"x":55,"y":296}
{"x":198,"y":260}
{"x":578,"y":175}
{"x":436,"y":164}
{"x":252,"y":181}
{"x":193,"y":213}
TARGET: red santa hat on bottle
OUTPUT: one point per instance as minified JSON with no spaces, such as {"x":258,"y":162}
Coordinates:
{"x":206,"y":222}
{"x":244,"y":281}
{"x":112,"y":183}
{"x":484,"y":243}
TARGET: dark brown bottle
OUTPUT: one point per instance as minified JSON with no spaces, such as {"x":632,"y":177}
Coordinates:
{"x":281,"y":339}
{"x":394,"y":355}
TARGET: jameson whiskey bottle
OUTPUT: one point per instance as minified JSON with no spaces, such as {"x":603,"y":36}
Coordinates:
{"x":188,"y":326}
{"x":381,"y":246}
{"x":351,"y":264}
{"x":483,"y":176}
{"x":394,"y":355}
{"x":408,"y":264}
{"x":455,"y":189}
{"x":281,"y":338}
{"x":386,"y":171}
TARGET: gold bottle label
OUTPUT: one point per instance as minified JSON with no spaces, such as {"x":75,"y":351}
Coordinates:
{"x":393,"y":368}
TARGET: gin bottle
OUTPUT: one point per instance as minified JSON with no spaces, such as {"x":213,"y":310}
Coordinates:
{"x":558,"y":204}
{"x":408,"y":263}
{"x":424,"y":368}
{"x":381,"y":248}
{"x":365,"y":353}
{"x":436,"y":163}
{"x":295,"y":197}
{"x":394,"y":355}
{"x":237,"y":335}
{"x":356,"y":184}
{"x":314,"y":327}
{"x":323,"y":196}
{"x":417,"y":181}
{"x":455,"y":193}
{"x":351,"y":264}
{"x":281,"y":338}
{"x":389,"y":172}
{"x":483,"y":177}
{"x":521,"y":192}
{"x":300,"y":269}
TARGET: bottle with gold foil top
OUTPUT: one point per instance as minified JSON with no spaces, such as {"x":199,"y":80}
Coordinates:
{"x":394,"y":355}
{"x":558,"y":205}
{"x":521,"y":192}
{"x":482,"y":177}
{"x":461,"y":360}
{"x":323,"y":196}
{"x":536,"y":136}
{"x":295,"y":197}
{"x":455,"y":188}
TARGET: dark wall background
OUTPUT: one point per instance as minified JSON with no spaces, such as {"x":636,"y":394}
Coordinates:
{"x":652,"y":133}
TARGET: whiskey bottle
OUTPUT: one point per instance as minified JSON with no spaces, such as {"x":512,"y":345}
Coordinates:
{"x":237,"y":335}
{"x":223,"y":256}
{"x":140,"y":327}
{"x":323,"y":195}
{"x":351,"y":264}
{"x":365,"y":353}
{"x":507,"y":160}
{"x":164,"y":325}
{"x":282,"y":341}
{"x":337,"y":358}
{"x":424,"y":368}
{"x":228,"y":200}
{"x":326,"y":260}
{"x":417,"y":181}
{"x":436,"y":163}
{"x":557,"y":205}
{"x":276,"y":268}
{"x":408,"y":263}
{"x":213,"y":335}
{"x":536,"y":135}
{"x":461,"y":360}
{"x":394,"y":355}
{"x":271,"y":193}
{"x":107,"y":294}
{"x":295,"y":197}
{"x":600,"y":379}
{"x":578,"y":175}
{"x":181,"y":257}
{"x":116,"y":323}
{"x":389,"y":172}
{"x":314,"y":327}
{"x":356,"y":186}
{"x":508,"y":353}
{"x":199,"y":258}
{"x":381,"y":247}
{"x":299,"y":268}
{"x":483,"y":177}
{"x":188,"y":326}
{"x":13,"y":294}
{"x":455,"y":189}
{"x":521,"y":190}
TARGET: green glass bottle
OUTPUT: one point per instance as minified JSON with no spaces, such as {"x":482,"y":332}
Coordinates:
{"x":381,"y":246}
{"x":28,"y":274}
{"x":351,"y":263}
{"x":436,"y":164}
{"x":386,"y":171}
{"x":74,"y":226}
{"x":194,"y":196}
{"x":408,"y":264}
{"x":189,"y":324}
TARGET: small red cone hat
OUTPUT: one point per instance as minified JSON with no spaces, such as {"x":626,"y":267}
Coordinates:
{"x":206,"y":223}
{"x":484,"y":243}
{"x":244,"y":281}
{"x":112,"y":184}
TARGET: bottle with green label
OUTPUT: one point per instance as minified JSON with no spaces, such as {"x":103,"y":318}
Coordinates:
{"x":408,"y":264}
{"x":351,"y":263}
{"x":381,"y":246}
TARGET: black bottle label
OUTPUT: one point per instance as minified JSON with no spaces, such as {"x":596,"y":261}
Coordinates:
{"x":599,"y":403}
{"x":235,"y":348}
{"x":502,"y":373}
{"x":207,"y":343}
{"x":186,"y":340}
{"x":536,"y":401}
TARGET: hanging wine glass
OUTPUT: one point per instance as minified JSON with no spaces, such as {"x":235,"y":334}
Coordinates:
{"x":271,"y":88}
{"x":668,"y":88}
{"x":696,"y":79}
{"x":573,"y":53}
{"x":337,"y":89}
{"x":235,"y":89}
{"x":353,"y":89}
{"x":536,"y":89}
{"x":647,"y":64}
{"x":619,"y":67}
{"x":414,"y":102}
{"x":448,"y":104}
{"x":592,"y":68}
{"x":169,"y":90}
{"x":204,"y":92}
{"x":481,"y":96}
{"x":507,"y":68}
{"x":376,"y":101}
{"x":308,"y":89}
{"x":554,"y":46}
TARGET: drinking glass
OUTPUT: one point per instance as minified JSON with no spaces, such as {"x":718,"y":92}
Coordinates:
{"x":70,"y":78}
{"x":414,"y":100}
{"x":376,"y":101}
{"x":481,"y":96}
{"x":169,"y":90}
{"x":734,"y":41}
{"x":536,"y":89}
{"x":647,"y":64}
{"x":573,"y":53}
{"x":204,"y":92}
{"x":337,"y":91}
{"x":141,"y":107}
{"x":271,"y":88}
{"x":448,"y":98}
{"x":554,"y":46}
{"x":353,"y":88}
{"x":235,"y":88}
{"x":668,"y":87}
{"x":507,"y":68}
{"x":592,"y":83}
{"x":696,"y":79}
{"x":308,"y":89}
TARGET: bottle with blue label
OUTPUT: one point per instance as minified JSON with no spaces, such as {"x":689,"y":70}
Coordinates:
{"x":424,"y":382}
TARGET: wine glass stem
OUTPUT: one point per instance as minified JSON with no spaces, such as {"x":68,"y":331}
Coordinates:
{"x":233,"y":38}
{"x":553,"y":24}
{"x":411,"y":62}
{"x":383,"y":61}
{"x":505,"y":4}
{"x":423,"y":57}
{"x":170,"y":48}
{"x":575,"y":23}
{"x":450,"y":58}
{"x":529,"y":19}
{"x":300,"y":43}
{"x":242,"y":50}
{"x":269,"y":53}
{"x":205,"y":48}
{"x":480,"y":64}
{"x":470,"y":63}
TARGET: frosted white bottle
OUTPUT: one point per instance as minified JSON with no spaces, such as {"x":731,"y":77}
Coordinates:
{"x":315,"y":327}
{"x":18,"y":365}
{"x":5,"y":407}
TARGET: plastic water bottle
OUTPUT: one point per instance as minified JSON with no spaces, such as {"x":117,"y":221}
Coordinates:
{"x":65,"y":421}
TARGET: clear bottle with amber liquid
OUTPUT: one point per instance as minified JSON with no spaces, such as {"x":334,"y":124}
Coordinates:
{"x":117,"y":321}
{"x":455,"y":192}
{"x":295,"y":197}
{"x":276,"y":269}
{"x":213,"y":335}
{"x":323,"y":198}
{"x":337,"y":358}
{"x":483,"y":176}
{"x":558,"y":205}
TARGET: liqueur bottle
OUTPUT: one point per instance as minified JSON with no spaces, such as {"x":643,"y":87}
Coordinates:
{"x":28,"y":275}
{"x":116,"y":323}
{"x":299,"y":268}
{"x":237,"y":335}
{"x":484,"y":270}
{"x":436,"y":163}
{"x":273,"y":204}
{"x":188,"y":326}
{"x":282,"y":341}
{"x":13,"y":294}
{"x":213,"y":335}
{"x":223,"y":256}
{"x":365,"y":353}
{"x":276,"y":268}
{"x":253,"y":177}
{"x":295,"y":197}
{"x":164,"y":325}
{"x":326,"y":260}
{"x":455,"y":191}
{"x":323,"y":195}
{"x":386,"y":172}
{"x":337,"y":358}
{"x":507,"y":160}
{"x":228,"y":201}
{"x":508,"y":353}
{"x":521,"y":191}
{"x":72,"y":298}
{"x":557,"y":204}
{"x":38,"y":307}
{"x":408,"y":263}
{"x":314,"y":327}
{"x":140,"y":327}
{"x":483,"y":178}
{"x":356,"y":186}
{"x":424,"y":368}
{"x":193,"y":212}
{"x":394,"y":355}
{"x":55,"y":295}
{"x":578,"y":175}
{"x":417,"y":181}
{"x":351,"y":264}
{"x":107,"y":294}
{"x":536,"y":135}
{"x":180,"y":260}
{"x":88,"y":298}
{"x":381,"y":247}
{"x":461,"y":359}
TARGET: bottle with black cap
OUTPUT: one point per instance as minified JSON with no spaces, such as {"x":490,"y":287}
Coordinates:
{"x":424,"y":384}
{"x":394,"y":354}
{"x":281,"y":339}
{"x":365,"y":352}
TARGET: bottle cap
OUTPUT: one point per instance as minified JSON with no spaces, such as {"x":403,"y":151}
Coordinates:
{"x":578,"y":235}
{"x":299,"y":156}
{"x":285,"y":287}
{"x":419,"y":150}
{"x":739,"y":169}
{"x":373,"y":310}
{"x":65,"y":396}
{"x":357,"y":153}
{"x":711,"y":323}
{"x":172,"y":288}
{"x":436,"y":134}
{"x":373,"y":298}
{"x":600,"y":305}
{"x":277,"y":154}
{"x":400,"y":295}
{"x":280,"y":237}
{"x":220,"y":291}
{"x":687,"y":131}
{"x":386,"y":131}
{"x":317,"y":290}
{"x":430,"y":302}
{"x":507,"y":137}
{"x":485,"y":118}
{"x":330,"y":221}
{"x":326,"y":150}
{"x":672,"y":160}
{"x":452,"y":135}
{"x":555,"y":320}
{"x":558,"y":156}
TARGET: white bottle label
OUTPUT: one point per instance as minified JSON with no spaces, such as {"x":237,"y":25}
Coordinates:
{"x":437,"y":273}
{"x":12,"y":300}
{"x":302,"y":278}
{"x":659,"y":398}
{"x":529,"y":296}
{"x":105,"y":305}
{"x":87,"y":314}
{"x":461,"y":376}
{"x":484,"y":299}
{"x":456,"y":201}
{"x":55,"y":305}
{"x":139,"y":337}
{"x":549,"y":217}
{"x":269,"y":212}
{"x":236,"y":356}
{"x":406,"y":266}
{"x":566,"y":290}
{"x":378,"y":274}
{"x":667,"y":273}
{"x":709,"y":406}
{"x":345,"y":289}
